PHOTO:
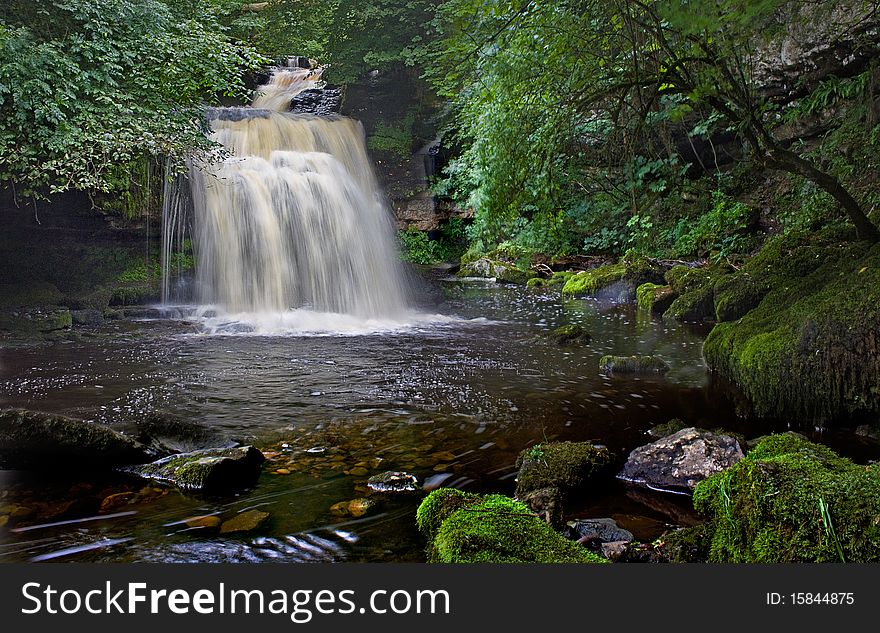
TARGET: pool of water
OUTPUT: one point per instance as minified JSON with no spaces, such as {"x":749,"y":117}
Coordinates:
{"x":452,"y":396}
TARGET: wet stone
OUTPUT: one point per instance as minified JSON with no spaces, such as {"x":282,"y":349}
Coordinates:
{"x":358,"y":472}
{"x":393,"y":481}
{"x":206,"y":522}
{"x":602,"y":530}
{"x":116,"y":500}
{"x":244,"y":522}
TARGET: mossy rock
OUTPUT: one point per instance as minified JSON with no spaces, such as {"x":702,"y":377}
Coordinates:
{"x":502,"y":272}
{"x":30,"y":321}
{"x":790,"y":500}
{"x":811,"y":347}
{"x":467,"y":528}
{"x":736,"y":295}
{"x":570,"y":334}
{"x":209,"y":471}
{"x":654,"y":298}
{"x":30,"y":294}
{"x":695,"y":288}
{"x":667,"y":428}
{"x":568,"y":466}
{"x":632,"y":364}
{"x":630,"y":272}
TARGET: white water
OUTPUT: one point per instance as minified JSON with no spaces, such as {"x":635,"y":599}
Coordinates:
{"x":290,"y":232}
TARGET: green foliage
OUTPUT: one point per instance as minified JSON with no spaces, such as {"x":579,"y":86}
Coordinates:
{"x":396,"y":139}
{"x":418,"y":247}
{"x":87,"y":86}
{"x":720,"y":232}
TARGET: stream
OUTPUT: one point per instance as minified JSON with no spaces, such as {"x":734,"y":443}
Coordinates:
{"x":452,"y":398}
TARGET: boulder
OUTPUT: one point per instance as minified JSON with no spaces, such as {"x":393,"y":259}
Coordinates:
{"x":31,"y":440}
{"x":566,"y":466}
{"x":678,"y":462}
{"x":617,"y":281}
{"x":654,"y":298}
{"x":789,"y":500}
{"x":546,"y":503}
{"x":466,"y":528}
{"x":210,"y":471}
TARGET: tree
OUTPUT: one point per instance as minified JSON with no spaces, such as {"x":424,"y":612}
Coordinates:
{"x":90,"y":86}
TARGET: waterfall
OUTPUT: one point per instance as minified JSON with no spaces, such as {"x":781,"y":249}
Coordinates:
{"x":291,"y":219}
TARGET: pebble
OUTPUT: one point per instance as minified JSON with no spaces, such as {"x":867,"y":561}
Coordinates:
{"x":209,"y":522}
{"x":116,"y":500}
{"x":244,"y":522}
{"x":358,"y":472}
{"x":282,"y":471}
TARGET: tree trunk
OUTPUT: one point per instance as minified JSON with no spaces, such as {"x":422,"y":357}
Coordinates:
{"x":786,"y":160}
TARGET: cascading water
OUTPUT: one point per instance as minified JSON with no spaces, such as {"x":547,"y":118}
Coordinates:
{"x":291,"y":221}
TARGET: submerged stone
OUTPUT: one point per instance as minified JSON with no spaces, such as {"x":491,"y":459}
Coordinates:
{"x":244,"y":522}
{"x":570,"y":334}
{"x":31,"y":440}
{"x":393,"y":481}
{"x":566,"y":466}
{"x":209,"y":471}
{"x":789,"y":500}
{"x":466,"y":528}
{"x":678,"y":462}
{"x":633,"y":364}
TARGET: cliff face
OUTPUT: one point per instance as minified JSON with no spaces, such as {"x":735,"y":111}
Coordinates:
{"x":398,"y":114}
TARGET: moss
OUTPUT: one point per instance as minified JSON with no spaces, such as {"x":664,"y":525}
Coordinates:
{"x":564,"y":465}
{"x":501,"y":271}
{"x":632,"y":364}
{"x":536,"y":282}
{"x":31,"y":293}
{"x":632,"y":271}
{"x":736,"y":295}
{"x":556,"y":279}
{"x":651,"y":297}
{"x":667,"y":428}
{"x":135,"y":293}
{"x":811,"y":348}
{"x":790,"y":500}
{"x":464,"y":528}
{"x":569,"y":334}
{"x":687,"y":545}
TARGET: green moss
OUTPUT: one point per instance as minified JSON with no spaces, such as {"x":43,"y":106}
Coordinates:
{"x":811,"y":348}
{"x":667,"y":428}
{"x":632,"y":364}
{"x":632,"y":270}
{"x":567,"y":466}
{"x":536,"y":282}
{"x":651,"y":297}
{"x":687,"y":545}
{"x":135,"y":293}
{"x":696,"y":290}
{"x":736,"y":295}
{"x":502,"y":271}
{"x":570,"y":334}
{"x":790,"y":500}
{"x":463,"y":528}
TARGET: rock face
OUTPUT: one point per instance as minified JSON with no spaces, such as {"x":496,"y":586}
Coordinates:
{"x":31,"y":440}
{"x":566,"y":466}
{"x":208,"y":471}
{"x":678,"y":462}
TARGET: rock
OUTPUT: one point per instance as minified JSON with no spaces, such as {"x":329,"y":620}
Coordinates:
{"x":667,"y":428}
{"x":115,"y":500}
{"x":597,"y":531}
{"x":654,"y":298}
{"x":633,"y":364}
{"x":466,"y":528}
{"x":282,"y":471}
{"x":4,"y":519}
{"x":360,"y":507}
{"x":790,"y":500}
{"x":40,"y":441}
{"x":616,"y":282}
{"x":358,"y":471}
{"x":564,"y":465}
{"x":33,"y":320}
{"x":340,"y":509}
{"x":615,"y":550}
{"x":207,"y":522}
{"x":209,"y":471}
{"x":244,"y":522}
{"x":170,"y":434}
{"x":866,"y":430}
{"x":500,"y":271}
{"x":546,"y":503}
{"x":87,"y":317}
{"x":570,"y":334}
{"x":393,"y":482}
{"x":678,"y":462}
